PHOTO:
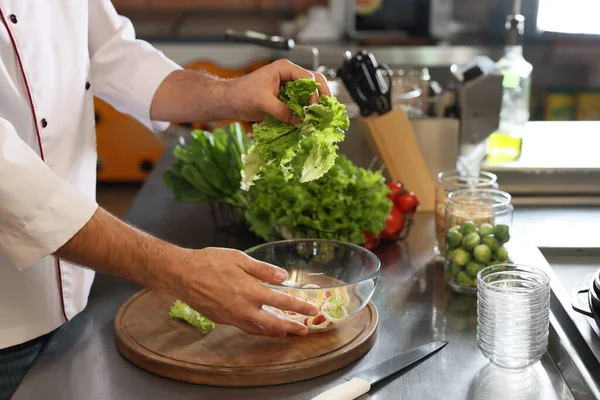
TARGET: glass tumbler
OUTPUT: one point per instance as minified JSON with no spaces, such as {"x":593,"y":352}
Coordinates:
{"x":450,"y":181}
{"x":513,"y":311}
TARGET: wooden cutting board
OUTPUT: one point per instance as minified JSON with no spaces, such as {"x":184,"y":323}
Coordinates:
{"x":147,"y":337}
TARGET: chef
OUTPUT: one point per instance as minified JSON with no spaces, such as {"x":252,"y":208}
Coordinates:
{"x":55,"y":55}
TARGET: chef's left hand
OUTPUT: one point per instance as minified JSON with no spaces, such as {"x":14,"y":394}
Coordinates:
{"x":255,"y":94}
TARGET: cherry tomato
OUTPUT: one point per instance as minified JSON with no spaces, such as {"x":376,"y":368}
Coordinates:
{"x":397,"y":189}
{"x":371,"y":241}
{"x":394,"y":222}
{"x":319,"y":320}
{"x":407,"y":202}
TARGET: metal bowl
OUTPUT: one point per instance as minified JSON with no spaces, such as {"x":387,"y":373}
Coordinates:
{"x":339,"y":278}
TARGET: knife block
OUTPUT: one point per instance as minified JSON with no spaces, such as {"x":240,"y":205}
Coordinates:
{"x":392,"y":139}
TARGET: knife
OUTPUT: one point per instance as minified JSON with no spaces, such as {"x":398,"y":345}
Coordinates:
{"x":361,"y":383}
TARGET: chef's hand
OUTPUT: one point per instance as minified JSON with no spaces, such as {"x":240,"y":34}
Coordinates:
{"x":255,"y":94}
{"x":222,"y":285}
{"x":187,"y":95}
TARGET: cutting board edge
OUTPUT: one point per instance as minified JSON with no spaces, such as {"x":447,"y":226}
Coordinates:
{"x":235,"y":376}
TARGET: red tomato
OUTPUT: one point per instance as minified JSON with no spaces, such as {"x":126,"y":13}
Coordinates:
{"x":370,"y":241}
{"x":394,"y":222}
{"x":397,"y":189}
{"x":327,"y":294}
{"x":407,"y":202}
{"x":319,"y":320}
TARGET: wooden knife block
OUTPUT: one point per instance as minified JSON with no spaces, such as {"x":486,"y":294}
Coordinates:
{"x":392,"y":139}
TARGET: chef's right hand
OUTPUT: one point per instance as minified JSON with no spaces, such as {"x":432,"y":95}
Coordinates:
{"x":222,"y":285}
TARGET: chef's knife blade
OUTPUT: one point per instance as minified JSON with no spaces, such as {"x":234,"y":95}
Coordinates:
{"x":360,"y":383}
{"x":393,"y":365}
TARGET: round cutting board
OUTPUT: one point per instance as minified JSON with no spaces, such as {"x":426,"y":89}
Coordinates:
{"x":227,"y":356}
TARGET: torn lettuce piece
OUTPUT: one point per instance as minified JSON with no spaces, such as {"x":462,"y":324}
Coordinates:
{"x":320,"y":159}
{"x":278,"y":143}
{"x":297,"y":94}
{"x":335,"y":305}
{"x":180,"y":310}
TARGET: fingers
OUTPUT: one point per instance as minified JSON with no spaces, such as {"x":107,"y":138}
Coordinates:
{"x":288,"y":71}
{"x":279,"y":110}
{"x":263,"y":271}
{"x":273,"y":322}
{"x":286,"y":302}
{"x":324,"y":88}
{"x":253,"y":329}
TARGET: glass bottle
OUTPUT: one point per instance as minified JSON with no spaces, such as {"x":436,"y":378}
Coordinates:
{"x":505,"y":144}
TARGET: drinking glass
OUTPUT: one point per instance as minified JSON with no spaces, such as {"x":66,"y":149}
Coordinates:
{"x":513,"y":311}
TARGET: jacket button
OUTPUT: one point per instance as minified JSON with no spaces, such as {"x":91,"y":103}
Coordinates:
{"x":13,"y":18}
{"x":44,"y":123}
{"x":87,"y":85}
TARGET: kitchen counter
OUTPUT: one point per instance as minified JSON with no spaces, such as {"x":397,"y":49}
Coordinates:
{"x":415,"y":306}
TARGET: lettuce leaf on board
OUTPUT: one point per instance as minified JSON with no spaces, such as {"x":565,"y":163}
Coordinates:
{"x":180,"y":310}
{"x":278,"y":143}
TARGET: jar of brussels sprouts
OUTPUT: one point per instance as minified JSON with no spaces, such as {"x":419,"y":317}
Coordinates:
{"x":478,"y":223}
{"x":448,"y":182}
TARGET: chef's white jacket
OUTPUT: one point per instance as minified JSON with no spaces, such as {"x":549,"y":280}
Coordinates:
{"x":55,"y":55}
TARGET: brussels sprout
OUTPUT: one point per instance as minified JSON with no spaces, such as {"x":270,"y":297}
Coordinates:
{"x":463,"y":279}
{"x":460,"y":257}
{"x":491,"y":242}
{"x":468,"y":227}
{"x":455,"y":269}
{"x":449,"y":254}
{"x":472,"y":268}
{"x":482,"y":253}
{"x":501,"y":254}
{"x":486,"y":229}
{"x":453,"y":238}
{"x":455,"y":228}
{"x":470,"y":241}
{"x":502,"y":233}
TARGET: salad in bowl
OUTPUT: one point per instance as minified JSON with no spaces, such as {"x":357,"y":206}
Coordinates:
{"x":338,"y":278}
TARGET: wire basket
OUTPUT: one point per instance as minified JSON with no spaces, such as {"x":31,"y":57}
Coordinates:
{"x":228,"y":219}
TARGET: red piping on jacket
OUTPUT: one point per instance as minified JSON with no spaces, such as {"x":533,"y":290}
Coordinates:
{"x":39,"y":138}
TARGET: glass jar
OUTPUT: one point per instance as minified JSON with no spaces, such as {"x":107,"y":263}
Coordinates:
{"x":450,"y":181}
{"x":478,"y":223}
{"x":513,"y":310}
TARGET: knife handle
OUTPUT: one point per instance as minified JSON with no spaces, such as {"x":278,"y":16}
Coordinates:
{"x":349,"y":390}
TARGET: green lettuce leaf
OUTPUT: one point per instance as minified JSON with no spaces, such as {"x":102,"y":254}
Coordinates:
{"x":341,"y":205}
{"x":335,"y":306}
{"x":180,"y":310}
{"x":297,"y":94}
{"x":278,"y":143}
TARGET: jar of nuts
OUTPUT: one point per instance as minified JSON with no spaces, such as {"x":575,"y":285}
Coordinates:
{"x":478,"y":223}
{"x":450,"y":181}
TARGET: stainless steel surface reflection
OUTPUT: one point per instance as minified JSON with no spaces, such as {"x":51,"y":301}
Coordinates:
{"x":414,"y":302}
{"x":493,"y":382}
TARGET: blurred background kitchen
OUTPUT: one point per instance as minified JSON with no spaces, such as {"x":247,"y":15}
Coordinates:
{"x":468,"y":74}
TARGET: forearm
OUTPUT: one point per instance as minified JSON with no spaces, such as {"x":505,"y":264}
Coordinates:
{"x":186,"y":96}
{"x":109,"y":245}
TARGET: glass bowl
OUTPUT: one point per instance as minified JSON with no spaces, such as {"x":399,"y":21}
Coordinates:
{"x":338,"y":278}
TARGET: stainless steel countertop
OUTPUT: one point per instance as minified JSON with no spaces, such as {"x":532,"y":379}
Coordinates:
{"x":415,"y":306}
